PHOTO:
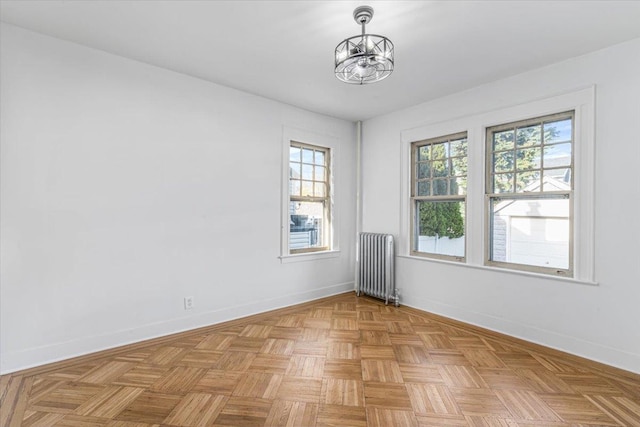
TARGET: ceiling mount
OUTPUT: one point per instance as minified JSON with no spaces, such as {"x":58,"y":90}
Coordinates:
{"x":363,"y":14}
{"x":365,"y":58}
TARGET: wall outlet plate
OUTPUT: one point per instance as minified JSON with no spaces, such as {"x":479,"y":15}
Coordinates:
{"x":188,"y":303}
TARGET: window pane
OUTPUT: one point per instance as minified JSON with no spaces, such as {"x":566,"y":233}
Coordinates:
{"x":307,"y":155}
{"x":319,"y":189}
{"x":503,"y":140}
{"x":529,"y":158}
{"x":424,"y":170}
{"x":319,"y":171}
{"x":305,"y":225}
{"x":294,"y":154}
{"x":294,"y":170}
{"x":440,"y":227}
{"x":532,"y":232}
{"x":424,"y":188}
{"x":557,"y":131}
{"x":503,"y":183}
{"x":458,"y":186}
{"x":440,"y":187}
{"x":307,"y":172}
{"x":528,"y":136}
{"x":424,"y":152}
{"x":440,"y":168}
{"x":557,"y":155}
{"x":459,"y":166}
{"x":307,"y":188}
{"x":503,"y":162}
{"x":294,"y":187}
{"x":320,"y":158}
{"x":458,"y":147}
{"x":557,"y":179}
{"x":439,"y":151}
{"x":528,"y":181}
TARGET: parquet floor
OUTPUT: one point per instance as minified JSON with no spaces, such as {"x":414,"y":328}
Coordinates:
{"x":340,"y":361}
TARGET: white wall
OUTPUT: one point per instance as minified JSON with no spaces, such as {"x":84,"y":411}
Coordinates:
{"x":126,"y":187}
{"x":598,"y":322}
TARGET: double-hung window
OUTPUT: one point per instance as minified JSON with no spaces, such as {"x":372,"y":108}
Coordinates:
{"x":529,"y":194}
{"x":526,"y":202}
{"x":438,"y":196}
{"x":309,"y":198}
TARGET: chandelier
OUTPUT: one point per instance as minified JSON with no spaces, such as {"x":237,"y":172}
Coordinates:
{"x":366,"y":58}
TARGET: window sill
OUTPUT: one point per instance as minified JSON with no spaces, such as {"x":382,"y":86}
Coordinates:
{"x":503,"y":270}
{"x":311,"y":256}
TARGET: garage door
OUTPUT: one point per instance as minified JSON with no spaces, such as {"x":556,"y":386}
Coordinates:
{"x":539,"y":241}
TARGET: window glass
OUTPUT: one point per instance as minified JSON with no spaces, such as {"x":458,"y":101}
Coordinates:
{"x":440,"y":227}
{"x":536,"y":240}
{"x":294,"y":154}
{"x":307,"y":223}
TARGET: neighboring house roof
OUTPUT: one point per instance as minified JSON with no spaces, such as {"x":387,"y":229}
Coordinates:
{"x":555,"y":183}
{"x":550,"y":184}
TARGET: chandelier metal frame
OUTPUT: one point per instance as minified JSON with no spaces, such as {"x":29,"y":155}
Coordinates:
{"x":365,"y":58}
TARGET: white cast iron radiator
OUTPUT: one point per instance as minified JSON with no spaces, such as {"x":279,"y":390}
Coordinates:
{"x":375,"y":272}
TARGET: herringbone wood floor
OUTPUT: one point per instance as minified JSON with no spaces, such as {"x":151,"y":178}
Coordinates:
{"x":340,"y":361}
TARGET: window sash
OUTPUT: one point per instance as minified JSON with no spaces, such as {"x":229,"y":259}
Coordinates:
{"x":415,"y":237}
{"x":491,"y":151}
{"x":563,"y":272}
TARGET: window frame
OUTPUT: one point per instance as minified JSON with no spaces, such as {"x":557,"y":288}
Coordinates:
{"x":491,"y":195}
{"x":415,"y":199}
{"x":338,"y":193}
{"x":326,"y":199}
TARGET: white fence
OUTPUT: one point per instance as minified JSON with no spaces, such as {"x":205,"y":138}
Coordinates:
{"x":299,"y":239}
{"x":441,"y":245}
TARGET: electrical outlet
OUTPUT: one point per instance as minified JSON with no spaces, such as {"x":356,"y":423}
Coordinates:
{"x":188,"y":303}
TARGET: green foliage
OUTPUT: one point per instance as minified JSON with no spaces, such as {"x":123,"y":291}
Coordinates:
{"x":442,"y":219}
{"x":517,"y":156}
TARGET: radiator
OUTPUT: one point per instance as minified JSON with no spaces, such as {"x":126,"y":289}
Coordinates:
{"x":375,"y":274}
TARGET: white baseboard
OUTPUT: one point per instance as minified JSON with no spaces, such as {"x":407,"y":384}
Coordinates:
{"x":568,"y":344}
{"x":37,"y":356}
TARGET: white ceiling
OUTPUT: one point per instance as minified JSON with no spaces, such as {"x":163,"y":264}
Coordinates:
{"x":283,"y":49}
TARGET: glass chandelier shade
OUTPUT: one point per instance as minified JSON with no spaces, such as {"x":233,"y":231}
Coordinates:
{"x":366,"y":58}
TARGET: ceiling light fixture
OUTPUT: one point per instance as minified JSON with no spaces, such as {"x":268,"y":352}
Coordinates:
{"x":367,"y":58}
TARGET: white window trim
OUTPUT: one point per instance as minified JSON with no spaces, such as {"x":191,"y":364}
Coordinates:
{"x":290,"y":134}
{"x":582,"y":101}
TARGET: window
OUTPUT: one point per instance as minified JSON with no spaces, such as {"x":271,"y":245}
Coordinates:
{"x":526,"y":199}
{"x":309,"y":198}
{"x":529,"y":188}
{"x":438,"y":196}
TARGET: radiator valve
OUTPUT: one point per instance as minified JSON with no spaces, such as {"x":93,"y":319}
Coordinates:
{"x":396,"y":297}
